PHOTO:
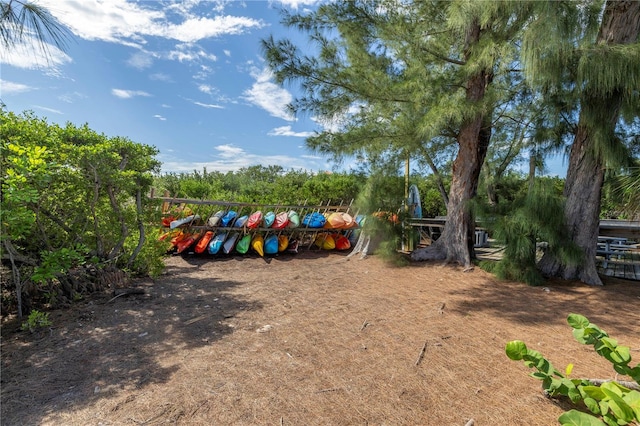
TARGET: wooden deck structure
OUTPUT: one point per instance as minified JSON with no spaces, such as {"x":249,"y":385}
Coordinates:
{"x":618,"y":252}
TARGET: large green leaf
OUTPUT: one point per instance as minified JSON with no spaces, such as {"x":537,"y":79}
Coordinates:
{"x":578,"y":418}
{"x":621,"y":355}
{"x":594,"y":392}
{"x":577,"y":321}
{"x":592,"y":405}
{"x":632,"y":398}
{"x":516,"y":350}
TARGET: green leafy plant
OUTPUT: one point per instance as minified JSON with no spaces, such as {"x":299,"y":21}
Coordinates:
{"x":36,"y":320}
{"x":609,"y":402}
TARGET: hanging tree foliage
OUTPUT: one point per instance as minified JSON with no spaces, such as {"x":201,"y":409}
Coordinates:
{"x":397,"y":78}
{"x":590,"y":57}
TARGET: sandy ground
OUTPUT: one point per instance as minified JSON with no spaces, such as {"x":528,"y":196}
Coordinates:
{"x":308,"y":339}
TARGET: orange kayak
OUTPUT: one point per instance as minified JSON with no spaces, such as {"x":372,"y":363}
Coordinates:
{"x":204,"y":242}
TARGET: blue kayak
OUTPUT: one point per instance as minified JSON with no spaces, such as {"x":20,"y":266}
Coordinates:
{"x":241,"y":221}
{"x":227,"y":219}
{"x":271,"y":244}
{"x":269,"y":218}
{"x":314,"y":220}
{"x":216,"y":242}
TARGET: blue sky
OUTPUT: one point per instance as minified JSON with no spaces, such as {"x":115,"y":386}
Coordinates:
{"x":186,"y":77}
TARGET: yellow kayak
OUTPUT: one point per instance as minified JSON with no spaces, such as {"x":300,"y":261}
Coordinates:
{"x":283,"y":242}
{"x":257,"y":243}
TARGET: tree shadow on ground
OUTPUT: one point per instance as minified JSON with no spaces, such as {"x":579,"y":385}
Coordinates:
{"x":104,"y":345}
{"x":615,"y":304}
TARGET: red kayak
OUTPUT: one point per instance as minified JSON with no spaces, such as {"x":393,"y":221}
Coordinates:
{"x":281,"y":221}
{"x":254,"y":220}
{"x":342,"y":242}
{"x":185,"y":243}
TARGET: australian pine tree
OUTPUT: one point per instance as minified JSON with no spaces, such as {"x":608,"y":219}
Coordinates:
{"x":428,"y":63}
{"x":26,"y":23}
{"x":591,"y":52}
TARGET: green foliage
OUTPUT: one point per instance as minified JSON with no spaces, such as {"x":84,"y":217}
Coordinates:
{"x":57,"y":262}
{"x":432,"y":203}
{"x":36,"y":320}
{"x":521,"y":225}
{"x":621,"y":194}
{"x":264,"y":184}
{"x":612,"y":402}
{"x":68,"y":199}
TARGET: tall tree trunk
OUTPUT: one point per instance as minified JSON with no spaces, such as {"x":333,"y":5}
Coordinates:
{"x":585,"y":174}
{"x":458,"y":235}
{"x":456,"y":244}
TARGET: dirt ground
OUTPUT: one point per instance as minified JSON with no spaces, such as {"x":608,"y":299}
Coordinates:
{"x":310,"y":339}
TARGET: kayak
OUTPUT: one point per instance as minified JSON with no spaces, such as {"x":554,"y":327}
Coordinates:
{"x":178,"y":237}
{"x":243,"y":245}
{"x":341,"y":242}
{"x":282,"y":220}
{"x":314,"y":220}
{"x":294,"y":219}
{"x":325,"y":241}
{"x":166,"y":221}
{"x":186,"y":243}
{"x":231,"y":242}
{"x":269,"y":218}
{"x":257,"y":243}
{"x":241,"y":221}
{"x":214,"y":220}
{"x":216,"y":242}
{"x":283,"y":242}
{"x":169,"y":234}
{"x":349,"y":221}
{"x":271,"y":244}
{"x":254,"y":220}
{"x":179,"y":222}
{"x":227,"y":219}
{"x":204,"y":242}
{"x":334,"y":221}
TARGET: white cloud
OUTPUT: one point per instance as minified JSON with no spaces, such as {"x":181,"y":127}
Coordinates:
{"x":268,"y":95}
{"x":9,"y":87}
{"x":126,"y":94}
{"x":186,"y":52}
{"x":227,"y":53}
{"x":208,"y":105}
{"x":204,"y":73}
{"x":159,"y":117}
{"x":205,"y":88}
{"x":232,"y":158}
{"x":229,"y":151}
{"x":336,"y":123}
{"x":295,"y":4}
{"x":122,"y":21}
{"x":286,"y":131}
{"x":158,"y":76}
{"x":140,"y":60}
{"x":195,"y":29}
{"x":55,"y":111}
{"x":71,"y":97}
{"x":24,"y":55}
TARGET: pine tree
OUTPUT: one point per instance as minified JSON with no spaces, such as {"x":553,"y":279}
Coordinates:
{"x":19,"y":20}
{"x":593,"y":56}
{"x":422,"y":71}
